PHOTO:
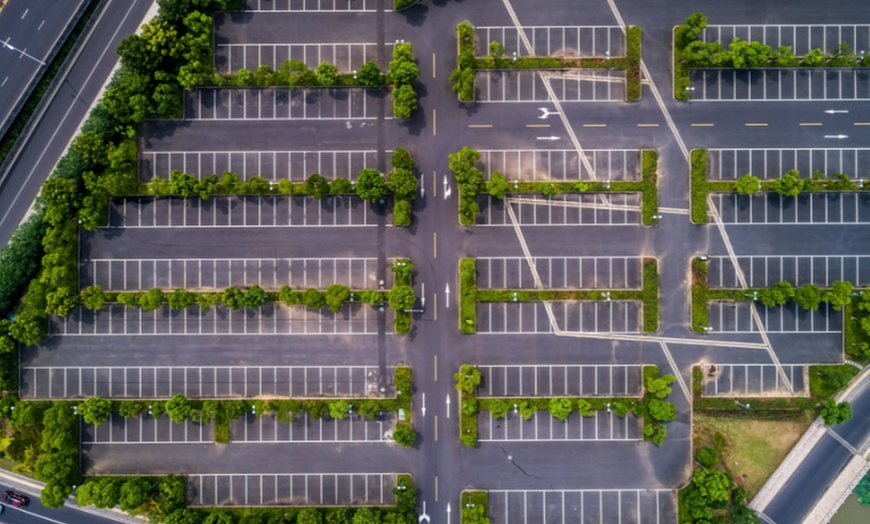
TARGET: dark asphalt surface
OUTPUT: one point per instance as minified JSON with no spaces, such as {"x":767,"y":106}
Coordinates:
{"x":34,"y":27}
{"x":36,"y":513}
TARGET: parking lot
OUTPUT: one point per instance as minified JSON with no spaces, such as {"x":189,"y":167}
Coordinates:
{"x":244,"y":211}
{"x":355,"y":428}
{"x":736,"y":317}
{"x":219,"y":274}
{"x":283,"y":103}
{"x":311,"y":5}
{"x":145,"y":429}
{"x":302,"y":489}
{"x":579,"y":85}
{"x":800,"y":37}
{"x":773,"y":85}
{"x":769,"y":164}
{"x":268,"y":319}
{"x":542,"y":426}
{"x":561,"y":164}
{"x":752,"y":380}
{"x":576,"y":209}
{"x":528,"y":318}
{"x":581,"y":41}
{"x":654,"y":506}
{"x":607,"y":380}
{"x":560,"y":272}
{"x":763,"y":271}
{"x":149,"y":382}
{"x":230,"y":57}
{"x":807,"y":208}
{"x":271,"y":165}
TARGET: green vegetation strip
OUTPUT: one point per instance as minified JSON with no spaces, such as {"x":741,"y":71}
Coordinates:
{"x":699,"y":186}
{"x":650,"y":166}
{"x":700,"y":297}
{"x":650,"y":295}
{"x":475,"y":506}
{"x":468,"y":295}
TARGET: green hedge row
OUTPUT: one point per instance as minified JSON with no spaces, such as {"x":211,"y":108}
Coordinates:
{"x":650,"y":178}
{"x":700,"y":298}
{"x":475,"y":507}
{"x":650,"y":295}
{"x":468,"y":295}
{"x":699,"y":186}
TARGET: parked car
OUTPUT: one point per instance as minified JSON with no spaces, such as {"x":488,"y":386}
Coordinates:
{"x":14,"y":499}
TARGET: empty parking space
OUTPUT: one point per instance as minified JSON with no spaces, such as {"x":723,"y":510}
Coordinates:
{"x":212,"y":273}
{"x":145,"y":429}
{"x":603,"y":426}
{"x":311,"y":5}
{"x":807,"y":208}
{"x":561,"y":164}
{"x":768,"y":164}
{"x":608,"y":380}
{"x":268,"y":319}
{"x":244,"y":211}
{"x":627,"y":506}
{"x":736,"y":317}
{"x":204,"y":381}
{"x":771,"y":85}
{"x":271,"y":165}
{"x":763,"y":271}
{"x":578,"y":85}
{"x":560,"y":272}
{"x":752,"y":380}
{"x":585,"y":41}
{"x":280,"y":103}
{"x":354,"y":428}
{"x":300,"y":489}
{"x":532,"y":317}
{"x":230,"y":57}
{"x":576,"y":209}
{"x":801,"y":38}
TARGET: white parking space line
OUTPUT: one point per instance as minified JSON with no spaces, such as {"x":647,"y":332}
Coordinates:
{"x":268,"y":320}
{"x":529,"y":318}
{"x":210,"y":382}
{"x":563,"y":41}
{"x":603,"y":272}
{"x":576,"y":209}
{"x":282,"y":103}
{"x":541,"y":427}
{"x":518,"y":506}
{"x":221,"y":273}
{"x":579,"y":85}
{"x":242,"y":211}
{"x":145,"y":429}
{"x":764,"y":271}
{"x":354,"y":428}
{"x":561,"y":164}
{"x":731,"y":317}
{"x":271,"y":165}
{"x":533,"y":380}
{"x":807,"y":208}
{"x":230,"y":57}
{"x":274,"y":6}
{"x":752,"y":380}
{"x":768,"y":164}
{"x":780,"y":85}
{"x":297,"y":489}
{"x":800,"y":37}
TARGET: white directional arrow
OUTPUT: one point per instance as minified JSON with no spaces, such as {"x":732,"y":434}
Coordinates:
{"x":422,"y":186}
{"x":448,"y":513}
{"x":839,"y":137}
{"x":448,"y":406}
{"x":447,"y":189}
{"x":423,"y":295}
{"x":546,"y":112}
{"x":549,"y":138}
{"x":447,"y":292}
{"x":835,"y":111}
{"x":423,"y":409}
{"x":424,"y":516}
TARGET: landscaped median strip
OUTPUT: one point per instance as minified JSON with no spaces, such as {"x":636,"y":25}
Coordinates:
{"x":652,"y":407}
{"x":466,"y":63}
{"x":469,"y":295}
{"x":475,"y":507}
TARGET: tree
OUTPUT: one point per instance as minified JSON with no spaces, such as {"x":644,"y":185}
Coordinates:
{"x":372,"y":297}
{"x":179,"y":408}
{"x":340,"y":186}
{"x":747,"y":185}
{"x":707,"y":457}
{"x":288,"y":296}
{"x":403,"y":183}
{"x":254,"y":297}
{"x":497,"y":185}
{"x":95,"y":410}
{"x":367,"y":516}
{"x":62,"y":301}
{"x":778,"y":295}
{"x":336,"y":295}
{"x":403,"y":72}
{"x":839,"y":295}
{"x":402,"y":159}
{"x":561,"y":408}
{"x":659,"y":387}
{"x":182,"y":184}
{"x":467,"y":379}
{"x":327,"y":74}
{"x":402,"y":297}
{"x":496,"y":49}
{"x":808,"y":296}
{"x":221,"y":518}
{"x":317,"y":186}
{"x":370,"y":75}
{"x":152,"y":299}
{"x":171,"y":494}
{"x":834,"y":413}
{"x":498,"y":408}
{"x":404,"y":101}
{"x":790,"y":184}
{"x":232,"y":298}
{"x":93,"y":297}
{"x":661,"y":411}
{"x":863,"y":490}
{"x":103,"y":492}
{"x":371,"y":186}
{"x":131,"y":408}
{"x":313,"y":299}
{"x":133,"y":494}
{"x":309,"y":516}
{"x":404,"y":435}
{"x":339,"y":409}
{"x":184,"y":516}
{"x":181,"y":299}
{"x":584,"y":407}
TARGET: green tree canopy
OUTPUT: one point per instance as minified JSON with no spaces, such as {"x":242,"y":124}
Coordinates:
{"x":95,"y":410}
{"x":370,"y":185}
{"x":179,"y":408}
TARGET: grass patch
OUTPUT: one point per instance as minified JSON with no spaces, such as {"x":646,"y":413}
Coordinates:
{"x":750,"y":447}
{"x":699,"y":186}
{"x":650,"y":163}
{"x":475,"y":505}
{"x":221,"y":429}
{"x":681,"y":75}
{"x":700,"y":292}
{"x":633,"y":87}
{"x":535,"y":295}
{"x":468,"y":295}
{"x":650,"y":295}
{"x":398,"y":5}
{"x":827,"y":381}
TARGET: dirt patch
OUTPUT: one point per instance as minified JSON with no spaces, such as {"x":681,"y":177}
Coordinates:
{"x":750,"y":448}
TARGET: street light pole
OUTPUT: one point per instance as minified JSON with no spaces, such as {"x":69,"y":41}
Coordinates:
{"x":11,"y":48}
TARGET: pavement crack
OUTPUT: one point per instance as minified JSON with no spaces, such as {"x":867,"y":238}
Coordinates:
{"x":524,"y":472}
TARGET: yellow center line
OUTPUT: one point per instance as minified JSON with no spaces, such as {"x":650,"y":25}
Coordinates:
{"x":435,"y":304}
{"x":594,"y":125}
{"x":433,"y":65}
{"x":537,"y":125}
{"x":755,"y":124}
{"x":434,"y":124}
{"x":436,"y":476}
{"x":647,"y":125}
{"x":861,"y":124}
{"x":434,"y":184}
{"x":435,"y":367}
{"x":479,"y":126}
{"x":435,"y":245}
{"x":810,"y":124}
{"x":703,"y":125}
{"x":436,"y":440}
